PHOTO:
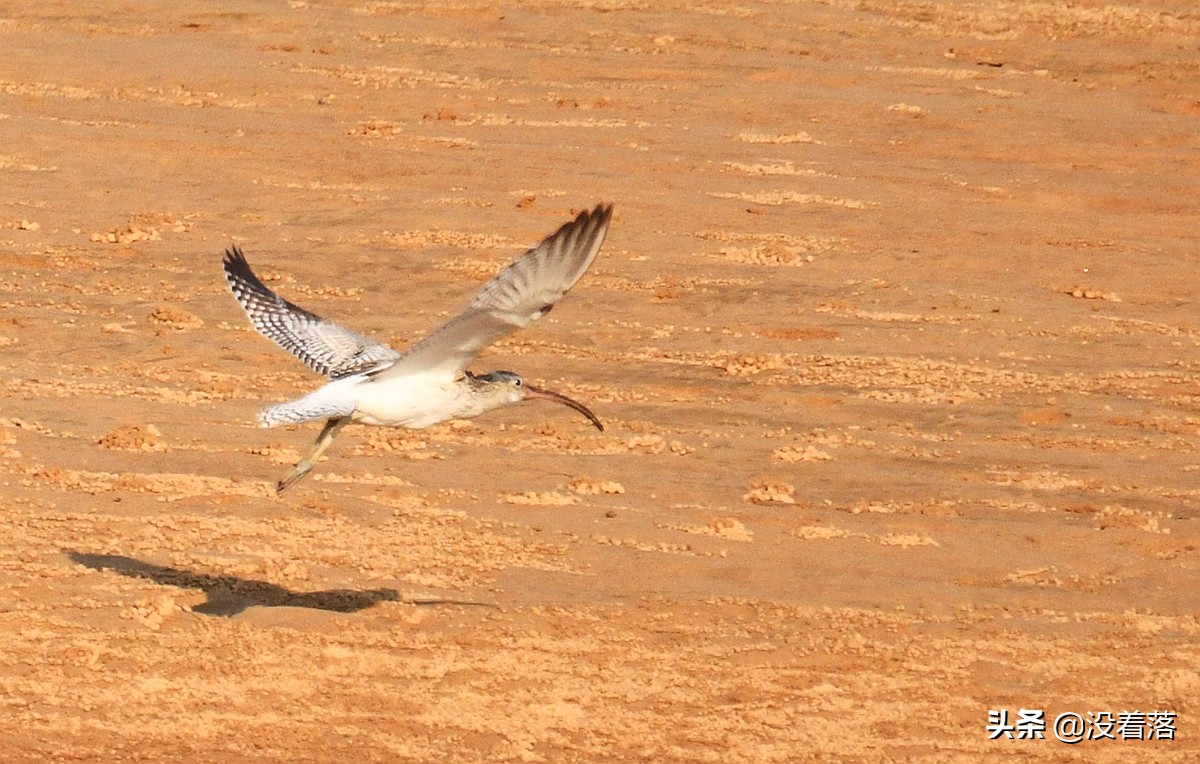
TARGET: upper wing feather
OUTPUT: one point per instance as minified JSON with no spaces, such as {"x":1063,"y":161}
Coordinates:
{"x":521,"y":293}
{"x":322,"y":345}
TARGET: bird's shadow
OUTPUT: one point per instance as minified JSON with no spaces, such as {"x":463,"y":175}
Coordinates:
{"x":229,"y":595}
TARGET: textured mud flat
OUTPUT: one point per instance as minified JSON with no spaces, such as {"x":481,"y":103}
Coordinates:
{"x":894,"y":336}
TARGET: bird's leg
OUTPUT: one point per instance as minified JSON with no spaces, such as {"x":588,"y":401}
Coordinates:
{"x":328,"y":433}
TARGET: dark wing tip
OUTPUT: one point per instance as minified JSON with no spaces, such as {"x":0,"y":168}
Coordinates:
{"x":587,"y":226}
{"x":233,"y":255}
{"x":234,"y":263}
{"x":238,"y":271}
{"x":597,"y":218}
{"x":600,"y":214}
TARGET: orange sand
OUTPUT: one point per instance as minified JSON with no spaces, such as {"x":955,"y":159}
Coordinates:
{"x":895,"y":336}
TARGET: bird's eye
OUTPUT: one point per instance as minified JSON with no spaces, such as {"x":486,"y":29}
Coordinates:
{"x":516,"y":383}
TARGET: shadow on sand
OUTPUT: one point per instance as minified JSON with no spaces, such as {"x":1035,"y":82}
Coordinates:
{"x":230,"y":595}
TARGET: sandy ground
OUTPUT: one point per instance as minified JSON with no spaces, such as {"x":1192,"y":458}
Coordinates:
{"x":894,"y":333}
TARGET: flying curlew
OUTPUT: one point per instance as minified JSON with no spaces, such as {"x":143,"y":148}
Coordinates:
{"x":429,"y":383}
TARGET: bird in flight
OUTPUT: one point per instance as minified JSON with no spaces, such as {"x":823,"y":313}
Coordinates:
{"x":429,"y":383}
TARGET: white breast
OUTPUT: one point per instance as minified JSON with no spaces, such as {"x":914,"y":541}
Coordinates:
{"x":414,"y":402}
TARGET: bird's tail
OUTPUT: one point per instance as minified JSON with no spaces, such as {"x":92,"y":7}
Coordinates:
{"x":319,"y":404}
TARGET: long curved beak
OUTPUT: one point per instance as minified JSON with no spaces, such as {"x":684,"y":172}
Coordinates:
{"x":537,"y":392}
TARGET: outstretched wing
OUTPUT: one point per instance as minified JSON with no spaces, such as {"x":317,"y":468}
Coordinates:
{"x":521,"y":293}
{"x":322,"y":345}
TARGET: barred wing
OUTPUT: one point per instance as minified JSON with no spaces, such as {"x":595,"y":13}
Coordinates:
{"x":322,"y":345}
{"x":523,"y":292}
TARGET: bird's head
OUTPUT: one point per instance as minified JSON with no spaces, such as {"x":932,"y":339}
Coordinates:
{"x":507,"y":387}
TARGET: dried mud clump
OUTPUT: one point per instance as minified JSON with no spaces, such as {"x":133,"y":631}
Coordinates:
{"x":127,"y":235}
{"x":590,"y":487}
{"x":770,"y":253}
{"x":144,"y":227}
{"x":1081,"y":293}
{"x":769,"y":491}
{"x":174,"y":318}
{"x":545,"y":499}
{"x":749,"y":364}
{"x":728,"y":528}
{"x":8,"y":439}
{"x":134,"y":437}
{"x":1116,"y":516}
{"x":777,"y":139}
{"x":906,"y":540}
{"x":808,"y":453}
